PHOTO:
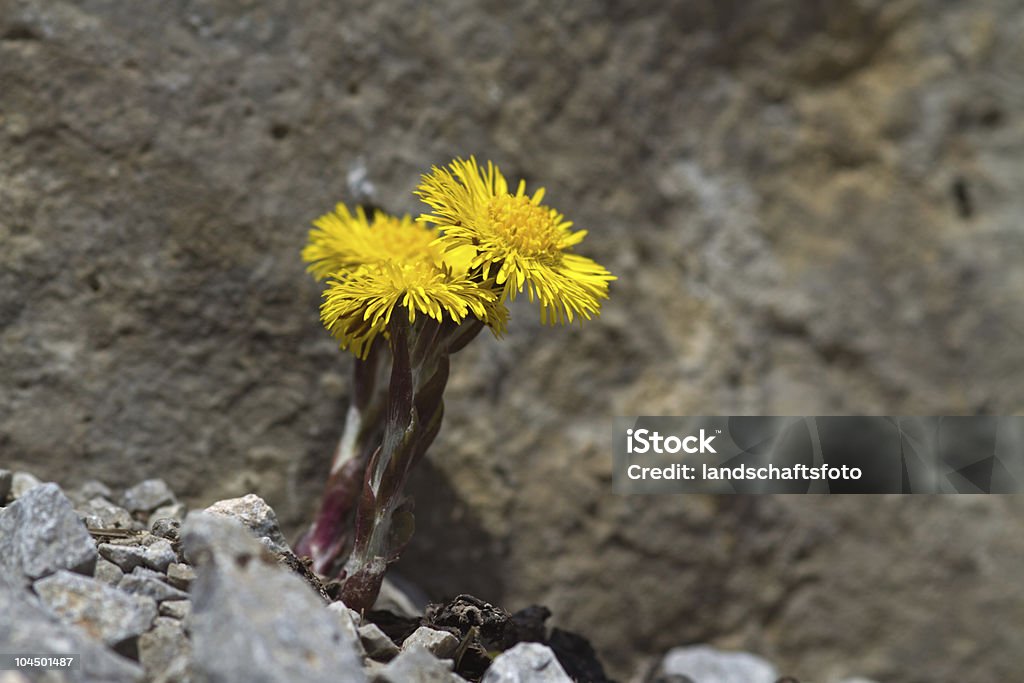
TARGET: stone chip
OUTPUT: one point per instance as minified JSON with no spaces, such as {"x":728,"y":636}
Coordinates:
{"x":40,"y":534}
{"x":103,"y":612}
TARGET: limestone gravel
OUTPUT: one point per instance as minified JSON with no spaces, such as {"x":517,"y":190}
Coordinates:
{"x":150,"y":583}
{"x":147,"y":496}
{"x":527,"y":662}
{"x":27,"y":626}
{"x":103,"y":612}
{"x":144,"y":551}
{"x":40,"y":534}
{"x":416,"y":666}
{"x":441,"y":644}
{"x":254,"y":620}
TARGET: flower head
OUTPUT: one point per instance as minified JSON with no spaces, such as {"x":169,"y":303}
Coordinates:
{"x":342,"y":241}
{"x":526,"y":243}
{"x":359,"y":306}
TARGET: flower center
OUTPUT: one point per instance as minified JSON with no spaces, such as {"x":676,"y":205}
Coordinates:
{"x":530,"y":229}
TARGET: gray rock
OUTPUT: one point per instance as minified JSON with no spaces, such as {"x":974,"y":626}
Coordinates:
{"x":376,"y":643}
{"x":100,"y":513}
{"x":180,"y":575}
{"x":101,"y":611}
{"x":441,"y":644}
{"x":89,"y":490}
{"x":348,"y":621}
{"x":145,"y":551}
{"x":6,"y":477}
{"x":176,"y":609}
{"x":175,"y":511}
{"x":22,"y":483}
{"x":26,"y":626}
{"x":401,"y":597}
{"x":162,"y":646}
{"x":253,"y":620}
{"x":527,"y":662}
{"x":147,"y":582}
{"x":706,"y":664}
{"x":40,"y":534}
{"x":417,"y":666}
{"x":107,"y":572}
{"x":147,"y":496}
{"x":166,"y":527}
{"x":253,"y":512}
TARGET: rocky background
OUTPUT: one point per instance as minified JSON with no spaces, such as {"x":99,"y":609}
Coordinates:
{"x":813,"y":208}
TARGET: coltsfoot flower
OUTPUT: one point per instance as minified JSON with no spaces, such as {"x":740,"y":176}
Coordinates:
{"x":358,"y":307}
{"x":523,"y":242}
{"x":344,"y":241}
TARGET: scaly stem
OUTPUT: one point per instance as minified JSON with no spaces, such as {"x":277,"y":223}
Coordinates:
{"x":384,"y":521}
{"x":329,"y":535}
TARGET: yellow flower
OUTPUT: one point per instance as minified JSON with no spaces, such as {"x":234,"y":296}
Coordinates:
{"x":342,"y":242}
{"x":526,"y":242}
{"x":359,"y":306}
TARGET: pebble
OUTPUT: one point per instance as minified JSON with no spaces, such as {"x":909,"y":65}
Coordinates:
{"x":254,"y":620}
{"x":709,"y":665}
{"x":162,"y":645}
{"x":100,"y":513}
{"x":441,"y":644}
{"x":176,"y":609}
{"x":253,"y":512}
{"x":376,"y":643}
{"x":107,"y":572}
{"x":147,"y":582}
{"x":175,"y":511}
{"x":146,"y":551}
{"x":6,"y":478}
{"x":147,"y":496}
{"x":348,"y":620}
{"x":528,"y":662}
{"x":40,"y":534}
{"x":22,"y":483}
{"x":180,"y":575}
{"x":26,"y":626}
{"x":103,"y":612}
{"x":419,"y":666}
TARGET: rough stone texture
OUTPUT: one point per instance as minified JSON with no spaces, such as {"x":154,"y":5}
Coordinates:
{"x":101,"y":611}
{"x":162,"y":646}
{"x":708,"y":665}
{"x":253,"y":512}
{"x":40,"y":533}
{"x":376,"y":643}
{"x":22,"y":483}
{"x":147,"y":551}
{"x":348,"y":621}
{"x":147,"y":496}
{"x":533,"y":662}
{"x":252,"y":619}
{"x":812,"y":207}
{"x":438,"y":643}
{"x":108,"y":572}
{"x":180,"y":575}
{"x":26,"y":626}
{"x":417,"y":666}
{"x":147,"y":582}
{"x":99,"y":513}
{"x":177,"y":609}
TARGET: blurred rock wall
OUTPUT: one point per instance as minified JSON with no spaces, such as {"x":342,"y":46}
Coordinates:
{"x":813,"y":208}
